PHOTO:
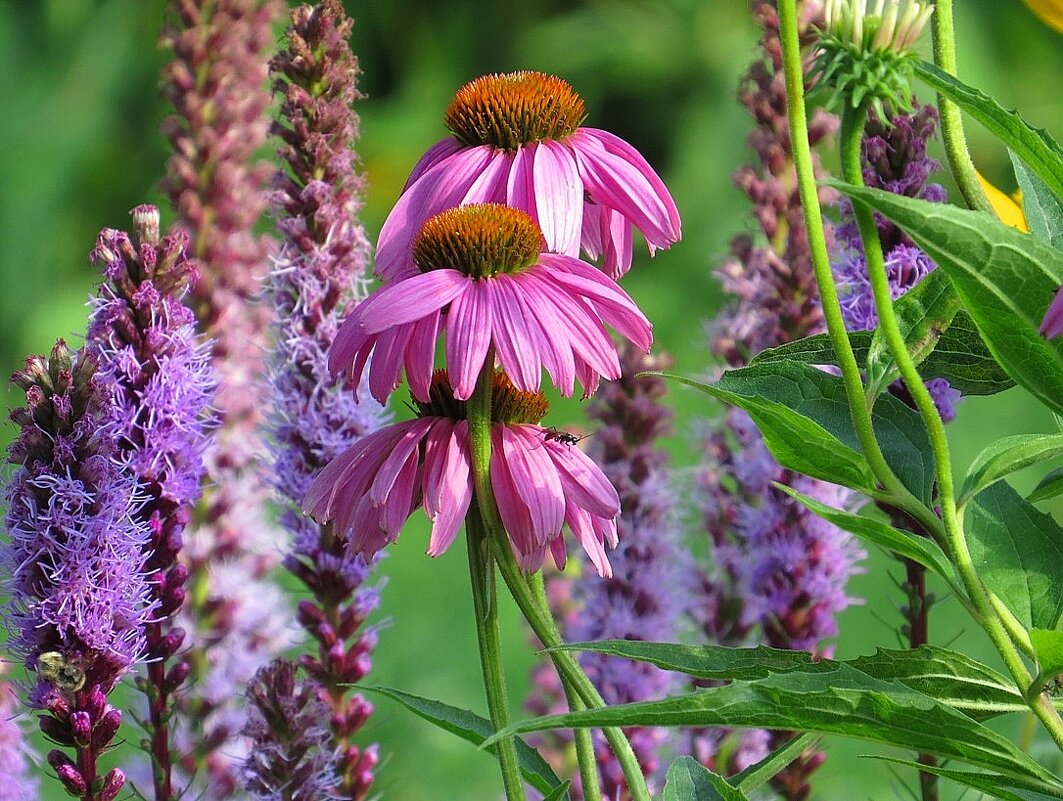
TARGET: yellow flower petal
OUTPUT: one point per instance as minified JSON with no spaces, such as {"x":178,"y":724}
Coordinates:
{"x":1050,"y":11}
{"x":1008,"y":210}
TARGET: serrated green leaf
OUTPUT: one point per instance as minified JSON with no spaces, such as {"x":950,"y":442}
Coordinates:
{"x":948,"y":676}
{"x":819,"y":397}
{"x":559,"y":793}
{"x":842,"y":701}
{"x":1048,"y":649}
{"x":476,"y":729}
{"x":689,"y":780}
{"x":1018,"y":553}
{"x":961,"y":357}
{"x":911,"y":546}
{"x":1034,"y":146}
{"x":1042,"y":209}
{"x":923,"y":313}
{"x":1005,"y":278}
{"x":1007,"y":455}
{"x":795,"y":441}
{"x":1049,"y":487}
{"x":761,"y":773}
{"x":817,"y":349}
{"x":1002,"y":787}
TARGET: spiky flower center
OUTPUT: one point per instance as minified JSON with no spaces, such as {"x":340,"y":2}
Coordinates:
{"x":876,"y":25}
{"x":480,"y":241}
{"x":508,"y":404}
{"x":507,"y":110}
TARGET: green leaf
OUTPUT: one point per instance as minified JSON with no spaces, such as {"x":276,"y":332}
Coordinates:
{"x":904,"y":543}
{"x":797,"y":442}
{"x":1005,"y":278}
{"x":819,"y":399}
{"x":817,"y":349}
{"x":947,"y":676}
{"x":1018,"y":553}
{"x":1007,"y":455}
{"x":841,"y":701}
{"x":923,"y":313}
{"x":1048,"y":648}
{"x":1002,"y":787}
{"x":476,"y":729}
{"x":760,"y":773}
{"x":1049,"y":487}
{"x":1034,"y":146}
{"x":689,"y":780}
{"x":559,"y":793}
{"x":961,"y":356}
{"x":1042,"y":209}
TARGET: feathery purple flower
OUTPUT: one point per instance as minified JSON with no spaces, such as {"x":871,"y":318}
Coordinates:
{"x":217,"y":85}
{"x":320,"y":268}
{"x":16,"y":753}
{"x":518,"y":140}
{"x":159,"y":370}
{"x":79,"y":596}
{"x":895,"y":159}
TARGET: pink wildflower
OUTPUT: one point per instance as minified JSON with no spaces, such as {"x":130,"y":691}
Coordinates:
{"x":482,"y":265}
{"x":540,"y":482}
{"x":518,"y":141}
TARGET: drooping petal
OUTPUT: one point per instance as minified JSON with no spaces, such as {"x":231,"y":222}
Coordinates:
{"x":409,"y":299}
{"x":584,"y":482}
{"x":520,"y":191}
{"x":420,"y":354}
{"x":558,"y":197}
{"x":535,"y":478}
{"x":388,"y":353}
{"x":440,"y":187}
{"x":395,"y":460}
{"x":518,"y":348}
{"x":491,"y":184}
{"x":469,"y":325}
{"x":511,"y":508}
{"x":590,"y":341}
{"x":449,"y":484}
{"x":580,"y":522}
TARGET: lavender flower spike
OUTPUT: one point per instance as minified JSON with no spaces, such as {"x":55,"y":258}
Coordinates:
{"x":16,"y":754}
{"x":159,"y":368}
{"x":79,"y":596}
{"x":321,"y":266}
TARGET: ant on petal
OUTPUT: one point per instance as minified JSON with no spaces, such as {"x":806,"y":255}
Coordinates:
{"x":562,"y":437}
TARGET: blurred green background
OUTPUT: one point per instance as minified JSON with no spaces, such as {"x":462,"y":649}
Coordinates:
{"x":80,"y":146}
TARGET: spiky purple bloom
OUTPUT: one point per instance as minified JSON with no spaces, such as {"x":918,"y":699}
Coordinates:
{"x":780,"y":571}
{"x":16,"y":753}
{"x":293,"y":757}
{"x":159,"y":369}
{"x":217,"y":85}
{"x":645,"y":597}
{"x":79,"y":598}
{"x":895,"y":159}
{"x":320,"y":269}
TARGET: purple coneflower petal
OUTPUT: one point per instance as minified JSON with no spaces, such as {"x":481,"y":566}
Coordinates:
{"x":447,"y":484}
{"x":470,"y":326}
{"x":536,"y":479}
{"x":1052,"y":325}
{"x":435,"y":154}
{"x":409,"y":299}
{"x":491,"y":184}
{"x":518,"y":346}
{"x":558,"y":197}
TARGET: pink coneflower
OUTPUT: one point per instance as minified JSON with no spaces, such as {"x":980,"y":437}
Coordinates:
{"x":484,"y":281}
{"x":540,"y":482}
{"x":517,"y":140}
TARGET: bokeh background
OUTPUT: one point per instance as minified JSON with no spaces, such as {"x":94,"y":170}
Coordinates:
{"x":80,"y":146}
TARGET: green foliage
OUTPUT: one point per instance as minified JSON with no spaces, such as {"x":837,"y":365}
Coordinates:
{"x":475,"y":729}
{"x":1048,"y":650}
{"x":1049,"y":487}
{"x":1007,"y":455}
{"x":1043,"y":210}
{"x":688,"y":780}
{"x":961,"y":356}
{"x":1005,"y":278}
{"x":1018,"y":554}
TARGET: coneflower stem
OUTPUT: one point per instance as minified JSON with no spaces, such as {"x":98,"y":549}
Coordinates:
{"x":481,"y":564}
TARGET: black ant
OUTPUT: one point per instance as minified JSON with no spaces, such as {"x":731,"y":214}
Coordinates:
{"x":562,"y":437}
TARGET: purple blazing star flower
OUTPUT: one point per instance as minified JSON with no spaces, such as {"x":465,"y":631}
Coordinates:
{"x":16,"y":753}
{"x":518,"y":141}
{"x":540,"y":483}
{"x":533,"y":310}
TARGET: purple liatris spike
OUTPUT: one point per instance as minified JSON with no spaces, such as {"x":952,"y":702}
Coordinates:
{"x":159,"y":369}
{"x":217,"y":85}
{"x":645,"y":597}
{"x":292,"y":755}
{"x":894,"y":159}
{"x":75,"y":560}
{"x":321,"y":268}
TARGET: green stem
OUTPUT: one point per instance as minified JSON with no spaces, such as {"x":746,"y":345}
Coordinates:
{"x":806,"y":184}
{"x":481,"y":571}
{"x":588,"y":765}
{"x":956,"y":152}
{"x":852,"y":128}
{"x":538,"y":616}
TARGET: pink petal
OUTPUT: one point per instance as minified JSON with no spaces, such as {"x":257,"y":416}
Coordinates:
{"x":409,"y":299}
{"x":350,"y":349}
{"x":469,"y":324}
{"x":515,"y":515}
{"x":435,"y":154}
{"x":615,"y":182}
{"x":558,"y":197}
{"x":617,"y":238}
{"x":490,"y":184}
{"x":440,"y":187}
{"x":536,"y":480}
{"x":517,"y":347}
{"x":588,"y":336}
{"x":556,"y":348}
{"x":583,"y":529}
{"x":448,"y":484}
{"x":584,"y":482}
{"x":400,"y":502}
{"x":394,"y":462}
{"x":559,"y":552}
{"x":386,"y":367}
{"x":520,"y":191}
{"x":420,"y":355}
